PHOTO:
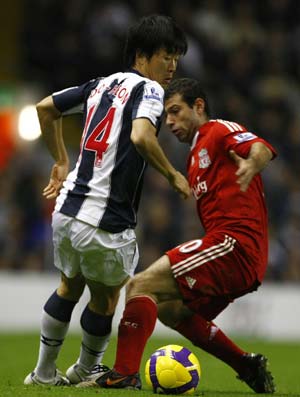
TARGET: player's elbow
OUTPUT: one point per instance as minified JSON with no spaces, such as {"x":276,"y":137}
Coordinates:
{"x":47,"y":110}
{"x":269,"y":154}
{"x":138,"y":139}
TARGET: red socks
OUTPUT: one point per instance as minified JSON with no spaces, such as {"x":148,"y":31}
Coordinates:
{"x":135,"y":328}
{"x":207,"y":336}
{"x":137,"y":325}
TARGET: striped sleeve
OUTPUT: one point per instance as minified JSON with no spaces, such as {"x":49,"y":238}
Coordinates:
{"x":236,"y":137}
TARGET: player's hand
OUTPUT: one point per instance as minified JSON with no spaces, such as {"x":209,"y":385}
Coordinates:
{"x":181,"y":185}
{"x":58,"y":175}
{"x":246,"y":170}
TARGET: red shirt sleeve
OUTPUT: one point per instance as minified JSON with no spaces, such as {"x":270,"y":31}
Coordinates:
{"x":241,"y":141}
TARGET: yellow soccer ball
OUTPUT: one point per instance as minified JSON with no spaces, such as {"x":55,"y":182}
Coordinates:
{"x":173,"y":369}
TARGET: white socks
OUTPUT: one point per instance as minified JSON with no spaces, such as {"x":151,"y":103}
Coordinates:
{"x":53,"y":333}
{"x":92,"y":350}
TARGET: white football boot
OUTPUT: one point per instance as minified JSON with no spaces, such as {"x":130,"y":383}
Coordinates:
{"x":77,"y":374}
{"x":58,"y":380}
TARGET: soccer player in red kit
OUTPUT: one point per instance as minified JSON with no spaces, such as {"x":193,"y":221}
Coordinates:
{"x":195,"y":281}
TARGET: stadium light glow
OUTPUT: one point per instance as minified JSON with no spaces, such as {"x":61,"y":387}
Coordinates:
{"x":29,"y":127}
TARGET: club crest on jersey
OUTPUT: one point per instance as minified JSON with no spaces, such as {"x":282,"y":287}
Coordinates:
{"x":204,"y":159}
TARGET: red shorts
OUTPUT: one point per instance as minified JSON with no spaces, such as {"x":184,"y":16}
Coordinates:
{"x":211,"y":272}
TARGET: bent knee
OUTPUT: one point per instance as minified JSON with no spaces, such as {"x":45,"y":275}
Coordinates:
{"x":71,"y":289}
{"x":105,"y":307}
{"x":172,"y":313}
{"x":138,"y":285}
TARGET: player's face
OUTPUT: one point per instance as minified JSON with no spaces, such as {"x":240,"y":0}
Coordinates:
{"x":182,"y":120}
{"x":161,"y":67}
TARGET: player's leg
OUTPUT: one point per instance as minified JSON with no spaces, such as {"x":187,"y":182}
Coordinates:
{"x":251,"y":368}
{"x":55,"y":322}
{"x":202,"y":333}
{"x":207,"y":271}
{"x":96,"y":323}
{"x":107,"y":261}
{"x":59,"y":307}
{"x":204,"y":272}
{"x":171,"y":313}
{"x":144,"y":291}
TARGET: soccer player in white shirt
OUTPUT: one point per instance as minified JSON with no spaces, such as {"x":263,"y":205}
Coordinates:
{"x":97,"y":202}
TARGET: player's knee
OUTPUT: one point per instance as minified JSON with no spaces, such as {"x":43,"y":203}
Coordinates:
{"x":132,"y":286}
{"x":172,"y":313}
{"x":71,"y":289}
{"x":104,"y":300}
{"x":105,"y":307}
{"x":67,"y":293}
{"x":136,"y":286}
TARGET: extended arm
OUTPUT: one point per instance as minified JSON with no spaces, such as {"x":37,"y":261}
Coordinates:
{"x":51,"y":127}
{"x":144,"y":138}
{"x":258,"y":158}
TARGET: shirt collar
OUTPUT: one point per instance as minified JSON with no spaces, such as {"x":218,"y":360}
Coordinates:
{"x":194,"y":140}
{"x":131,"y":70}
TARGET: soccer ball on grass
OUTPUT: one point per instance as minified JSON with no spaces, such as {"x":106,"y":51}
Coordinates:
{"x":173,"y":369}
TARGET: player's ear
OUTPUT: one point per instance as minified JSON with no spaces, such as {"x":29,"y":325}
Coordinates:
{"x":200,"y":106}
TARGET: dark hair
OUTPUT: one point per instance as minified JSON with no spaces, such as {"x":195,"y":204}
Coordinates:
{"x":189,"y":89}
{"x":152,"y":33}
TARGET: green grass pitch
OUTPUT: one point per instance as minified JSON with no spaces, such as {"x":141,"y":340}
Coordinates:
{"x":18,"y":353}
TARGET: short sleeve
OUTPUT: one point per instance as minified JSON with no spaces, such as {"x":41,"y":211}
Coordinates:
{"x":71,"y":100}
{"x":235,"y":137}
{"x":241,"y":143}
{"x":149,"y":103}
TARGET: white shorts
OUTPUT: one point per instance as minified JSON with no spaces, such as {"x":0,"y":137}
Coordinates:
{"x":100,"y":256}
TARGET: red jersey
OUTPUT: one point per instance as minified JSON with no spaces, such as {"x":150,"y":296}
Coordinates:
{"x":221,"y":205}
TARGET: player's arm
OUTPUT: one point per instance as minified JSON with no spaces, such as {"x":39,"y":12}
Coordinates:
{"x":143,"y":136}
{"x":51,"y":127}
{"x":258,"y":158}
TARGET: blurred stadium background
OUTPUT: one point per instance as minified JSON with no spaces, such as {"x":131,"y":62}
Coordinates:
{"x":246,"y":54}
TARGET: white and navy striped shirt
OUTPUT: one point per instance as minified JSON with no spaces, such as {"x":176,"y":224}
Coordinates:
{"x":105,"y":186}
